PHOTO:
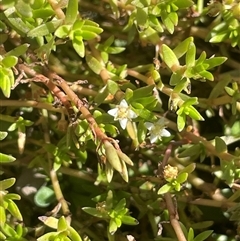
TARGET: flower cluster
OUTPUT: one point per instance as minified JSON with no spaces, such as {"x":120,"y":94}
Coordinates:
{"x":123,"y":113}
{"x":157,"y":130}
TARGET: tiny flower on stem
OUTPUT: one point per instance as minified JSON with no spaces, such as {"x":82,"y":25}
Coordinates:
{"x":157,"y":130}
{"x":122,"y":113}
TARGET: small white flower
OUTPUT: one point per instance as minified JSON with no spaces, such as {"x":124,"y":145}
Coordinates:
{"x":157,"y":130}
{"x":122,"y":113}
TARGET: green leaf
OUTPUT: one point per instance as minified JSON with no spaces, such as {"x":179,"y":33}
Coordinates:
{"x":88,"y":35}
{"x":94,"y":64}
{"x":168,"y":21}
{"x":142,"y":16}
{"x":207,"y":75}
{"x":91,"y":28}
{"x":112,"y":87}
{"x":79,"y":47}
{"x":3,"y":134}
{"x":183,"y":4}
{"x":190,"y":56}
{"x":2,"y":216}
{"x":169,"y":57}
{"x":219,"y":87}
{"x":48,"y":236}
{"x":121,"y":205}
{"x":44,"y":29}
{"x":5,"y":83}
{"x":18,"y":51}
{"x":8,"y":230}
{"x":220,"y":37}
{"x":215,"y":61}
{"x":220,"y":145}
{"x":7,"y":183}
{"x":193,"y":113}
{"x":181,"y":120}
{"x":73,"y":234}
{"x":43,"y":13}
{"x":44,"y":197}
{"x":203,"y":236}
{"x":62,"y":224}
{"x":71,"y":12}
{"x":175,"y":78}
{"x":182,"y":177}
{"x":94,"y":212}
{"x":144,"y":91}
{"x":165,"y":188}
{"x":17,"y":23}
{"x":112,"y":226}
{"x":114,"y":7}
{"x":129,"y":220}
{"x":63,"y":31}
{"x":51,"y":222}
{"x":188,"y":169}
{"x":190,"y":151}
{"x":23,"y":8}
{"x":6,"y":158}
{"x":13,"y":209}
{"x":9,"y":61}
{"x":183,"y":47}
{"x":190,"y":235}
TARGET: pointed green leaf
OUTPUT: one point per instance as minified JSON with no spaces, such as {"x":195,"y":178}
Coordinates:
{"x":169,"y":57}
{"x":44,"y":29}
{"x":112,"y":226}
{"x":182,"y":48}
{"x":94,"y":64}
{"x":165,"y":188}
{"x":3,"y":134}
{"x":182,"y":177}
{"x":190,"y":235}
{"x":181,"y":120}
{"x":220,"y":145}
{"x":193,"y":113}
{"x":129,"y":220}
{"x":191,"y":54}
{"x":95,"y":212}
{"x":6,"y":158}
{"x":71,"y":12}
{"x":7,"y":183}
{"x":9,"y":61}
{"x":73,"y":234}
{"x":203,"y":236}
{"x":13,"y":209}
{"x":62,"y":224}
{"x":215,"y":61}
{"x":2,"y":215}
{"x":63,"y":31}
{"x":79,"y":47}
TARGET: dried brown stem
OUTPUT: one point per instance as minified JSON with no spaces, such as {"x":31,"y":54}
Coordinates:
{"x":172,"y":210}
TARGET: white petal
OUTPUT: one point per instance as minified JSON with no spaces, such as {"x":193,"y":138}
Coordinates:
{"x":149,"y":125}
{"x":113,"y":112}
{"x":124,"y":104}
{"x":132,"y":114}
{"x":165,"y":132}
{"x":153,"y":138}
{"x":123,"y":123}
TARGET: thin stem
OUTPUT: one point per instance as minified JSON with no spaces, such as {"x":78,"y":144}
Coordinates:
{"x":174,"y":217}
{"x":53,"y":174}
{"x":31,"y":103}
{"x":172,"y":210}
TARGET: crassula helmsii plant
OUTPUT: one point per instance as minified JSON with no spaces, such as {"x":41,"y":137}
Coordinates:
{"x":119,"y":120}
